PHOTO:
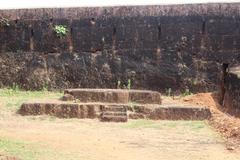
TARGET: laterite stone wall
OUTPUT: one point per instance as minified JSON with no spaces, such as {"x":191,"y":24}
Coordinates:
{"x":157,"y":47}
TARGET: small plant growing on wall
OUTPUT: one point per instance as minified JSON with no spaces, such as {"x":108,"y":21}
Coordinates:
{"x":60,"y":30}
{"x":4,"y":21}
{"x":118,"y":84}
{"x":186,"y":92}
{"x":169,"y":92}
{"x":123,"y":86}
{"x":129,"y":84}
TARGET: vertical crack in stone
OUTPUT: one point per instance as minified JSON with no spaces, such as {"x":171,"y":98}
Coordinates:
{"x":223,"y":81}
{"x":31,"y":39}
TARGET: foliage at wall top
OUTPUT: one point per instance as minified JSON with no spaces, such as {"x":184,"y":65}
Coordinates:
{"x":4,"y":21}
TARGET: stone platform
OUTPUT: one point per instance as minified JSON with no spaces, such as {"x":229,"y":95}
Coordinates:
{"x":115,"y":105}
{"x":115,"y":95}
{"x":121,"y":112}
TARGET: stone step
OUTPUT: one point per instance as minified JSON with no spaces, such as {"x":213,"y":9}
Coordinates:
{"x":115,"y":108}
{"x":110,"y":118}
{"x":123,"y":96}
{"x":114,"y":113}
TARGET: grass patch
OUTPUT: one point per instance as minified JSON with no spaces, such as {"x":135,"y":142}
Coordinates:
{"x":11,"y":99}
{"x":21,"y":93}
{"x":163,"y":124}
{"x":141,"y":124}
{"x":22,"y":150}
{"x":32,"y":151}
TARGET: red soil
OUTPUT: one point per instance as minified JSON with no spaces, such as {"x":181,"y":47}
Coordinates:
{"x":227,"y":125}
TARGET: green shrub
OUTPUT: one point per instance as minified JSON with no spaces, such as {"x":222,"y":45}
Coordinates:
{"x":60,"y":30}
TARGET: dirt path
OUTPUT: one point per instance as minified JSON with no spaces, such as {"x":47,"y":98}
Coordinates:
{"x":135,"y":140}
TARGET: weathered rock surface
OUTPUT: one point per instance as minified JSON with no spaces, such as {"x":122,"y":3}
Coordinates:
{"x":61,"y":109}
{"x":115,"y":95}
{"x":180,"y":113}
{"x":115,"y":112}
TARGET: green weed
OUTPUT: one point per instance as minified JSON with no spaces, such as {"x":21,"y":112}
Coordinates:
{"x":60,"y":30}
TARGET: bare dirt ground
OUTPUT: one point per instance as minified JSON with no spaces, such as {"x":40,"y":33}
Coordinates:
{"x":141,"y":139}
{"x":50,"y":138}
{"x":227,"y":125}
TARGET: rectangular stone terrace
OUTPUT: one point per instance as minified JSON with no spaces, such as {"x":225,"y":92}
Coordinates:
{"x":114,"y":105}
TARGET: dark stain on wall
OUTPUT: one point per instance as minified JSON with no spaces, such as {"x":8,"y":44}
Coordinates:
{"x":157,"y":47}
